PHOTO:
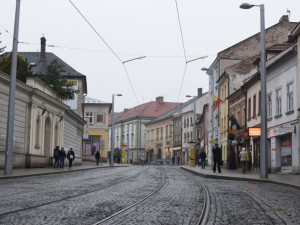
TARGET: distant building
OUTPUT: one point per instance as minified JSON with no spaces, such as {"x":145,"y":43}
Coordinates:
{"x":96,"y":114}
{"x":130,"y":127}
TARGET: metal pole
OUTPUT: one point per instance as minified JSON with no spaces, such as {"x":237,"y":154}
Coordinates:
{"x":12,"y":94}
{"x":263,"y":142}
{"x":112,"y":134}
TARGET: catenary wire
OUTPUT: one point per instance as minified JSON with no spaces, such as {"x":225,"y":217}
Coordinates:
{"x":108,"y":47}
{"x":180,"y":30}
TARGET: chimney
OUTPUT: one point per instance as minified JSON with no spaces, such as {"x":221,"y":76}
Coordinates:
{"x":160,"y":99}
{"x":199,"y":92}
{"x":284,"y":18}
{"x":43,"y":48}
{"x":126,"y":110}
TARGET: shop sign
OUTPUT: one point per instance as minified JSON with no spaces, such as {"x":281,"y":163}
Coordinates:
{"x":246,"y":135}
{"x":281,"y":130}
{"x":254,"y":131}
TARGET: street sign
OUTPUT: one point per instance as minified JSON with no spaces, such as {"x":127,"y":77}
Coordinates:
{"x":186,"y":149}
{"x":212,"y":141}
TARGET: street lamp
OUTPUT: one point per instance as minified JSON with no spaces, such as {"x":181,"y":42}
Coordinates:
{"x":112,"y":131}
{"x":263,"y":113}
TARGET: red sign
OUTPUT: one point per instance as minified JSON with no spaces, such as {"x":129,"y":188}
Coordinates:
{"x":254,"y":131}
{"x":245,"y":135}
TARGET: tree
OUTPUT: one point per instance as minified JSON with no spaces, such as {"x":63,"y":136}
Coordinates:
{"x":55,"y":80}
{"x":2,"y":48}
{"x":22,"y":67}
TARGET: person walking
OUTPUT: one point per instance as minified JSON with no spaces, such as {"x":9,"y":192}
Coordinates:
{"x":62,"y":156}
{"x":202,"y":158}
{"x":217,"y":153}
{"x":178,"y":159}
{"x":56,"y":156}
{"x":243,"y":157}
{"x":70,"y":157}
{"x":97,"y":157}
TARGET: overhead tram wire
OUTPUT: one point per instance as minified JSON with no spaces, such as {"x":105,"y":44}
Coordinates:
{"x":108,"y":47}
{"x":180,"y":30}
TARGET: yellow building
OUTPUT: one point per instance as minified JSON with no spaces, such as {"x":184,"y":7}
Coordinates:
{"x":223,"y":83}
{"x":96,"y":114}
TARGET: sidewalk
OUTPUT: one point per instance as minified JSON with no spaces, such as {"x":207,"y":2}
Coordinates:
{"x":285,"y":179}
{"x":28,"y":172}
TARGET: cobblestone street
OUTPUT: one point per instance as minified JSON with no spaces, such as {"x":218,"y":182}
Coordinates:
{"x":87,"y":197}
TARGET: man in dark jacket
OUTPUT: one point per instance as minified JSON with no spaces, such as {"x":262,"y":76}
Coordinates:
{"x":202,"y":158}
{"x":62,"y":156}
{"x":97,"y":157}
{"x":217,"y":153}
{"x":70,"y":157}
{"x":56,"y":156}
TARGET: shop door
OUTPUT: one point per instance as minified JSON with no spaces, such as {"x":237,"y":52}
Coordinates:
{"x":286,"y":154}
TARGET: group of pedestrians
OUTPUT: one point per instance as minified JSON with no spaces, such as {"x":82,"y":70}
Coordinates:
{"x":60,"y":155}
{"x":217,"y":158}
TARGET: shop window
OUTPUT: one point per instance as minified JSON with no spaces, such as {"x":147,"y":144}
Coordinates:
{"x":249,"y":109}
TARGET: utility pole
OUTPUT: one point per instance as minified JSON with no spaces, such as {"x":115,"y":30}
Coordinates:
{"x":12,"y":95}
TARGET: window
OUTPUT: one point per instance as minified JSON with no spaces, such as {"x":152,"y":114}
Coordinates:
{"x":157,"y":133}
{"x":100,"y":118}
{"x":166,"y":131}
{"x":191,"y":121}
{"x":269,"y":105}
{"x":102,"y":144}
{"x":187,"y":136}
{"x":259,"y":102}
{"x":290,"y":98}
{"x":152,"y":134}
{"x":254,"y":106}
{"x":184,"y":123}
{"x":171,"y":130}
{"x":184,"y":137}
{"x":89,"y":117}
{"x":249,"y":109}
{"x":278,"y":101}
{"x":161,"y":132}
{"x":187,"y":122}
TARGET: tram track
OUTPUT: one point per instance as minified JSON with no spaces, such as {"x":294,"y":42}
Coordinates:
{"x":73,"y":196}
{"x":203,"y":215}
{"x":205,"y":211}
{"x":134,"y":204}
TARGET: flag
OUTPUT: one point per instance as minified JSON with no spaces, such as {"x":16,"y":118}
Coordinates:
{"x":217,"y":102}
{"x":233,"y":125}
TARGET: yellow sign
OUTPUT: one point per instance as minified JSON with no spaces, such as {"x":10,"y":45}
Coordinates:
{"x":212,"y":141}
{"x":123,"y":147}
{"x":192,"y":153}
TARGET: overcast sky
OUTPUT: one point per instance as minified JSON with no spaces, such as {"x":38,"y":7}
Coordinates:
{"x":134,"y":28}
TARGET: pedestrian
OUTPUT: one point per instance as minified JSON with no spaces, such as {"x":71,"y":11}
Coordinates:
{"x":173,"y":160}
{"x":202,"y":158}
{"x":243,"y":157}
{"x":178,"y":159}
{"x":97,"y":157}
{"x":62,"y":156}
{"x":217,"y":153}
{"x":70,"y":157}
{"x":56,"y":156}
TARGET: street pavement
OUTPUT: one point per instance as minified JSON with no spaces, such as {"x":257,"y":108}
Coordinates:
{"x":278,"y":178}
{"x":28,"y":172}
{"x":285,"y":179}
